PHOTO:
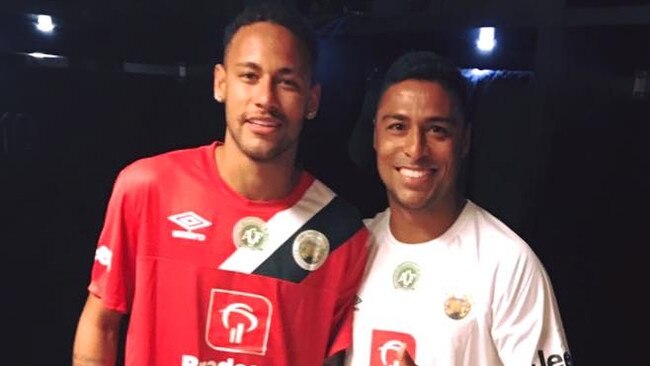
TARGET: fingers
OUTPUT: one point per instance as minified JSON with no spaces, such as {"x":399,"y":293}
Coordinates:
{"x":405,"y":358}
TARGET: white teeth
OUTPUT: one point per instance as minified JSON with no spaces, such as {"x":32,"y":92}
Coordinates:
{"x":263,"y":123}
{"x":413,"y":173}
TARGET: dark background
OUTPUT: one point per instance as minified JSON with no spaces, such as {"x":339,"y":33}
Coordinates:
{"x":559,"y":147}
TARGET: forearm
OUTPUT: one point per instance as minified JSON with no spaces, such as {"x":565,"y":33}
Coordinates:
{"x":94,"y":347}
{"x":97,"y":336}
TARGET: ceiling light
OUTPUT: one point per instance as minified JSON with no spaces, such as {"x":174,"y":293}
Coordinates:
{"x":486,"y":41}
{"x":44,"y":23}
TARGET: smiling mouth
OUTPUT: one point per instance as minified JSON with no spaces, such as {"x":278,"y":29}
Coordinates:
{"x":416,"y":173}
{"x":264,"y":122}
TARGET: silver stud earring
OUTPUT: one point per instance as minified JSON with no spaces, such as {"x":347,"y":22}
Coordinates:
{"x":311,"y":114}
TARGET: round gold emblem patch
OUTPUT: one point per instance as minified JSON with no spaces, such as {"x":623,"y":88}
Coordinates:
{"x":310,"y":249}
{"x":250,"y":232}
{"x":406,"y":276}
{"x":457,"y":307}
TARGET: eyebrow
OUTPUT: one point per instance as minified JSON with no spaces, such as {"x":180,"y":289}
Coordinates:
{"x":397,"y":116}
{"x":402,"y":117}
{"x":258,"y":68}
{"x":250,"y":65}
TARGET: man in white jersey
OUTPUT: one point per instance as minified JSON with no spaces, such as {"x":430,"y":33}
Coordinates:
{"x":447,"y":282}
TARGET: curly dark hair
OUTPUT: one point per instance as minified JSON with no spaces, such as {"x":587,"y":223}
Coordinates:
{"x":285,"y":16}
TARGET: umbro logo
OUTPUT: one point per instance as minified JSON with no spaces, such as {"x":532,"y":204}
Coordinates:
{"x":357,"y":301}
{"x":104,"y":256}
{"x":189,"y":221}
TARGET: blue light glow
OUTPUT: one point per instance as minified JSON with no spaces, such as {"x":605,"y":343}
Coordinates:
{"x":475,"y":75}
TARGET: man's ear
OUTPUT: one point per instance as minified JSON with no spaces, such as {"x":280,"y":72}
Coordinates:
{"x":314,"y":101}
{"x":219,"y":86}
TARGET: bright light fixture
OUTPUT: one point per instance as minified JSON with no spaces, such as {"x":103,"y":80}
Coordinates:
{"x":480,"y":72}
{"x":41,"y":55}
{"x":44,"y":23}
{"x":486,"y":41}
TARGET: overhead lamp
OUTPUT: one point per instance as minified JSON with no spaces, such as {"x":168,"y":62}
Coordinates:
{"x":480,"y":72}
{"x":486,"y":41}
{"x":44,"y":23}
{"x":41,"y":55}
{"x":45,"y":59}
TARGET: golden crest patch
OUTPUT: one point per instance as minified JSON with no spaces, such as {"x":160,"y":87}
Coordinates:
{"x":458,"y":306}
{"x":250,"y":232}
{"x":310,"y":249}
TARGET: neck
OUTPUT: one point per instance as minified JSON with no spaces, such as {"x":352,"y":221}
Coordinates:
{"x":258,"y":181}
{"x":421,"y":225}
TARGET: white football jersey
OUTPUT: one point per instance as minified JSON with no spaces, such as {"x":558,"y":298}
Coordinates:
{"x":477,"y":295}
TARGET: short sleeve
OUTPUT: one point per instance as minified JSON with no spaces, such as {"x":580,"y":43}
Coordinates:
{"x":112,"y":276}
{"x":527,"y":325}
{"x":341,"y":338}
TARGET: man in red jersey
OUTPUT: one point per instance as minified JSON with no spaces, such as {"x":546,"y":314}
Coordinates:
{"x":205,"y":248}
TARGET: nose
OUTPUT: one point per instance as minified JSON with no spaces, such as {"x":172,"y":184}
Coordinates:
{"x":415,"y":144}
{"x":265,"y":94}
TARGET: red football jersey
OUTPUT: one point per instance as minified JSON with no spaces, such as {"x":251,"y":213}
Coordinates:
{"x":212,"y":278}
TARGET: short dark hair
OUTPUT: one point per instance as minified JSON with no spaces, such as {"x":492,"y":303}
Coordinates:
{"x":428,"y":66}
{"x":285,"y":16}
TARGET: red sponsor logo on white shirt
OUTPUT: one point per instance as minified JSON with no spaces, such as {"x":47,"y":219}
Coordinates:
{"x":385,"y":347}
